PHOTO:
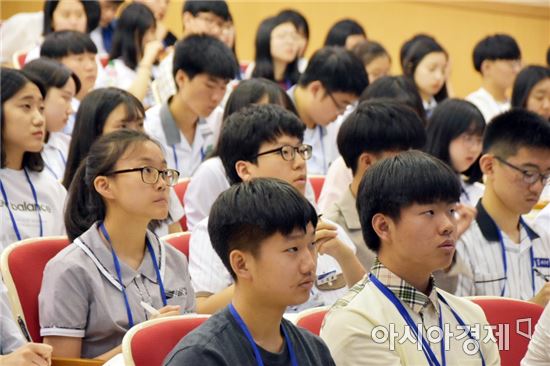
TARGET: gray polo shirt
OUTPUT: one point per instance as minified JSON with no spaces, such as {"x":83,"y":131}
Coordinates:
{"x":81,"y":296}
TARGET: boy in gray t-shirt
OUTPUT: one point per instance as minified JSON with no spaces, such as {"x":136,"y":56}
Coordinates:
{"x":264,"y":232}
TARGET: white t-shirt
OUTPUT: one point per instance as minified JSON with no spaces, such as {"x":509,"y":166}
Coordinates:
{"x":179,"y":154}
{"x":337,"y":181}
{"x":488,"y":106}
{"x":209,"y":275}
{"x":55,"y":154}
{"x":51,"y":199}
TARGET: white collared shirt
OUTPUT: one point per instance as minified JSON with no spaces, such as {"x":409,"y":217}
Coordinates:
{"x":55,"y":153}
{"x":488,"y":106}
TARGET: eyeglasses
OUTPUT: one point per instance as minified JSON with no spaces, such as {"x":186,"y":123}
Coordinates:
{"x":339,"y":107}
{"x":529,"y":176}
{"x":471,"y":140}
{"x":288,"y":152}
{"x":150,"y":175}
{"x":210,"y":20}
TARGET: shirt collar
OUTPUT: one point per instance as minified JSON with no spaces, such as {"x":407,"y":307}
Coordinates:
{"x":415,"y":299}
{"x":170,"y":127}
{"x":489,"y":228}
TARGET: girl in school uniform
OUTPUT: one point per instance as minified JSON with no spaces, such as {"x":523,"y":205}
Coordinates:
{"x":107,"y":110}
{"x":455,"y":135}
{"x":277,"y":44}
{"x":425,"y":61}
{"x":61,"y":86}
{"x":93,"y":290}
{"x":135,"y":50}
{"x":31,"y":201}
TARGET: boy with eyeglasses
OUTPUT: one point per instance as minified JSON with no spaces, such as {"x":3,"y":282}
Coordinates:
{"x":506,"y":256}
{"x":266,"y":141}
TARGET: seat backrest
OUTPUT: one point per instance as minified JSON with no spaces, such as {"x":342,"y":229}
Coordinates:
{"x":513,"y":323}
{"x":317,"y":182}
{"x":163,"y":333}
{"x":180,"y":241}
{"x":22,"y":266}
{"x":312,"y":319}
{"x":181,"y":188}
{"x":18,"y":59}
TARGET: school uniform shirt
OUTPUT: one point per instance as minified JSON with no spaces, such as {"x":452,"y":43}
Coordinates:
{"x":429,"y":106}
{"x":487,"y":105}
{"x":69,"y":127}
{"x":471,"y":193}
{"x":121,"y":76}
{"x":542,"y":220}
{"x":10,"y":334}
{"x":337,"y":182}
{"x":538,"y":353}
{"x":55,"y":153}
{"x":179,"y":154}
{"x":50,"y":196}
{"x":365,"y":327}
{"x":481,"y":250}
{"x":221,"y":341}
{"x":81,"y":295}
{"x":209,"y":275}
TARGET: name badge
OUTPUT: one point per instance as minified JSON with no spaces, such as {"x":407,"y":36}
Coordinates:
{"x":542,"y":262}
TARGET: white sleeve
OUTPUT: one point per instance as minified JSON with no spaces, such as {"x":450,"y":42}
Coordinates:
{"x":175,"y":208}
{"x":337,"y":180}
{"x":10,"y":335}
{"x":538,"y":353}
{"x":208,"y":274}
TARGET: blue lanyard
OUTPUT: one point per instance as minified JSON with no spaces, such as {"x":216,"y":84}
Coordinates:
{"x":202,"y":152}
{"x":62,"y":160}
{"x":118,"y":272}
{"x":430,"y":356}
{"x":505,"y":262}
{"x":36,"y":206}
{"x":259,"y":361}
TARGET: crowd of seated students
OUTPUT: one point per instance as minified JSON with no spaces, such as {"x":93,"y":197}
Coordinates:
{"x":427,"y":198}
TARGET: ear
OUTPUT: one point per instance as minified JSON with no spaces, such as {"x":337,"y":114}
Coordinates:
{"x":315,"y":87}
{"x":244,"y":170}
{"x":239,"y":265}
{"x":485,"y":66}
{"x":103,"y":187}
{"x":181,"y":78}
{"x":487,"y":164}
{"x":186,"y":18}
{"x":366,"y":160}
{"x":381,"y":225}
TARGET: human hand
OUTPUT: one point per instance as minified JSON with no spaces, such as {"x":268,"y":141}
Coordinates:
{"x":30,"y":354}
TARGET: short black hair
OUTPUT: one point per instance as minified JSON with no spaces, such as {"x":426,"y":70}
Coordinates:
{"x":395,"y":183}
{"x":246,"y":130}
{"x":495,"y":47}
{"x":400,"y":88}
{"x":246,"y":214}
{"x":51,"y":73}
{"x":525,"y":81}
{"x":57,"y":45}
{"x":450,"y":119}
{"x":518,"y":128}
{"x":299,"y":21}
{"x":217,"y":7}
{"x":367,"y":51}
{"x":337,"y":69}
{"x":379,"y":125}
{"x":202,"y":54}
{"x":341,"y":30}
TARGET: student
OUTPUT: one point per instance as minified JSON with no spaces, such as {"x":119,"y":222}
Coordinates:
{"x":32,"y":201}
{"x":104,"y":111}
{"x":377,"y":129}
{"x":159,"y":8}
{"x":339,"y":176}
{"x":498,"y":59}
{"x":102,"y":35}
{"x":203,"y":66}
{"x":271,"y":255}
{"x":413,"y":234}
{"x":455,"y":133}
{"x":266,"y":141}
{"x":135,"y":50}
{"x":424,"y":60}
{"x":210,"y":178}
{"x":13,"y":349}
{"x":376,"y":59}
{"x":300,"y":22}
{"x":61,"y":86}
{"x":276,"y":52}
{"x":538,"y":353}
{"x":345,"y":33}
{"x":198,"y":17}
{"x":92,"y":289}
{"x":334,"y":79}
{"x":76,"y":51}
{"x":507,"y":257}
{"x":532,"y":90}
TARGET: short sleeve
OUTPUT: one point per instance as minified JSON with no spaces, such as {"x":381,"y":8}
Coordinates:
{"x":10,"y":335}
{"x":207,"y":271}
{"x":63,"y":300}
{"x":175,"y":208}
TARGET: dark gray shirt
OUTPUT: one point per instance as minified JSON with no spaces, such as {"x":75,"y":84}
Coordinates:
{"x":220,"y":341}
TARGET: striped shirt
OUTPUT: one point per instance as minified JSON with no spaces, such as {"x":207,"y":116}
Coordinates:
{"x":527,"y":262}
